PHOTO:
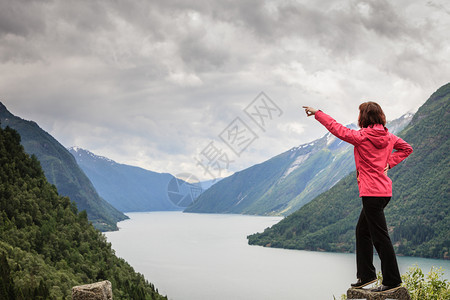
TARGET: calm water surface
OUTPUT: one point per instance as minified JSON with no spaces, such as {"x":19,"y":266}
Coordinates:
{"x":206,"y":256}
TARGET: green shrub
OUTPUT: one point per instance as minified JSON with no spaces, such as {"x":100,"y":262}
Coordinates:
{"x":429,"y":287}
{"x":421,"y":287}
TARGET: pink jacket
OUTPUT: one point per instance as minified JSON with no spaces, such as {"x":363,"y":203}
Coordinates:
{"x":373,"y":151}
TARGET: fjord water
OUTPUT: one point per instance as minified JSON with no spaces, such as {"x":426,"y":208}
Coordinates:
{"x":206,"y":256}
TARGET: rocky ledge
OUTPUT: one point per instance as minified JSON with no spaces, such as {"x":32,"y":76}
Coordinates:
{"x":401,"y":294}
{"x":96,"y":291}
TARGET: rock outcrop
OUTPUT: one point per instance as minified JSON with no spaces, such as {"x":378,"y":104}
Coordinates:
{"x":401,"y":294}
{"x":96,"y":291}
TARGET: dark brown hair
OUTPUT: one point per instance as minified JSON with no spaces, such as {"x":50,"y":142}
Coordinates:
{"x":370,"y":113}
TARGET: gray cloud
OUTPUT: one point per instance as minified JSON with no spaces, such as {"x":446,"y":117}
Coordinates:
{"x":153,"y":82}
{"x":21,"y":18}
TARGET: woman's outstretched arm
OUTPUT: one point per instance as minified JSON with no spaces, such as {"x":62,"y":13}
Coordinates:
{"x":348,"y":135}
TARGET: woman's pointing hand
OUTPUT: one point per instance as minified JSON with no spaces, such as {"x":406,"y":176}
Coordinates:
{"x":310,"y":111}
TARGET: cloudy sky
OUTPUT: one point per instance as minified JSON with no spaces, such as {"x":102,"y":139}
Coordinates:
{"x":166,"y":84}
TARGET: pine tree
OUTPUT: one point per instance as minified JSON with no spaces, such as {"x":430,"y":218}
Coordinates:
{"x":6,"y":282}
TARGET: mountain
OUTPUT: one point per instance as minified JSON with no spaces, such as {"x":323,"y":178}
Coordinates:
{"x":131,"y":188}
{"x":209,"y":183}
{"x":62,"y":170}
{"x":46,"y":246}
{"x":418,"y":214}
{"x":285,"y":182}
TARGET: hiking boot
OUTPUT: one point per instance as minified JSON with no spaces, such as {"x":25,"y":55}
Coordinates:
{"x":362,"y":283}
{"x":385,"y":288}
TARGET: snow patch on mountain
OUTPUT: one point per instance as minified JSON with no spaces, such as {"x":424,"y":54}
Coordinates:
{"x":297,"y":162}
{"x":330,"y":138}
{"x":80,"y":152}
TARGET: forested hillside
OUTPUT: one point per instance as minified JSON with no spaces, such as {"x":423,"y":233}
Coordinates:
{"x":418,"y":215}
{"x":46,"y":246}
{"x":62,"y":170}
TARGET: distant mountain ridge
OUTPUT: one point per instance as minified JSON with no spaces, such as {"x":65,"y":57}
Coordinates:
{"x":286,"y":182}
{"x":130,"y":188}
{"x":62,"y":170}
{"x":418,"y":215}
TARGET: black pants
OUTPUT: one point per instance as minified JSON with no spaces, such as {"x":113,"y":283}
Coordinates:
{"x":371,"y":230}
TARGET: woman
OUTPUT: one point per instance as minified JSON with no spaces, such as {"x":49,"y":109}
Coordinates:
{"x":373,"y":158}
